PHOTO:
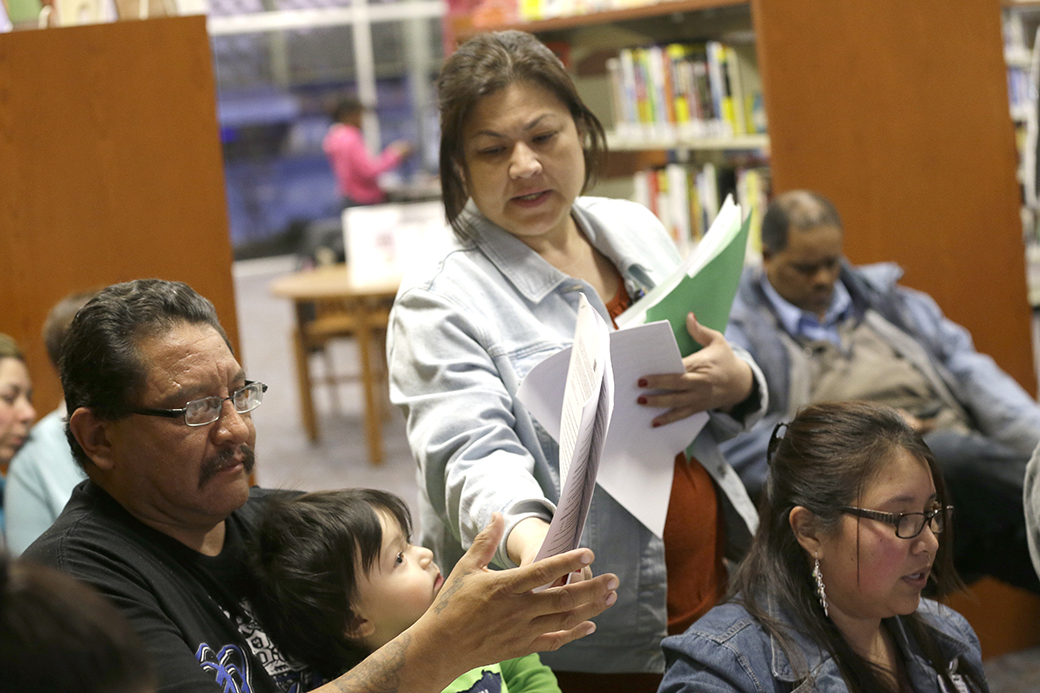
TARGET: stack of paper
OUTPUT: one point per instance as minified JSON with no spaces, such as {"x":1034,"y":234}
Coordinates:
{"x":636,"y":461}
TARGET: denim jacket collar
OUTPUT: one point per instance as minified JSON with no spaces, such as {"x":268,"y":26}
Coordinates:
{"x":535,"y":278}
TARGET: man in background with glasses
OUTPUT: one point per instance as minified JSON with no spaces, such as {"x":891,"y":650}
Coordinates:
{"x":822,"y":329}
{"x":159,"y":419}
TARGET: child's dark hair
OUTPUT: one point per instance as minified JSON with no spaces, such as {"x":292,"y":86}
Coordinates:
{"x":310,"y":554}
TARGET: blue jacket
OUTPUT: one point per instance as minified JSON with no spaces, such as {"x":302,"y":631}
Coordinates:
{"x":463,"y":334}
{"x":912,"y":323}
{"x":727,"y":650}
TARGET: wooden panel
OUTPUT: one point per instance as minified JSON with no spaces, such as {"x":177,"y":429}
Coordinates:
{"x":898,"y":112}
{"x":112,"y":170}
{"x":1005,"y":618}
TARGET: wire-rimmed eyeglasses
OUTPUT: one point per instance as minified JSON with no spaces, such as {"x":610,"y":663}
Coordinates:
{"x":204,"y":411}
{"x":908,"y":525}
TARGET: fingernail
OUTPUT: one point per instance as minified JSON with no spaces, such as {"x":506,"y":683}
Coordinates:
{"x":642,"y":382}
{"x":586,"y":558}
{"x":640,"y":400}
{"x":655,"y":424}
{"x":612,"y":583}
{"x":611,"y":598}
{"x":591,"y":628}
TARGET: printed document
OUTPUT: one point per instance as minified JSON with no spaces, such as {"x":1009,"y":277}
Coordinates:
{"x":588,"y":400}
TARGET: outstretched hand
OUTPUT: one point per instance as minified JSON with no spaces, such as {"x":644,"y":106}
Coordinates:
{"x":714,"y":378}
{"x":484,"y":616}
{"x":491,"y":615}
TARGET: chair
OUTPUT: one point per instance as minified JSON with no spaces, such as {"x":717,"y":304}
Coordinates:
{"x":330,"y":306}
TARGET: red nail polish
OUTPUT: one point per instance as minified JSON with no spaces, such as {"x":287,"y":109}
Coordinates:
{"x":642,"y":382}
{"x":655,"y":424}
{"x":640,"y":400}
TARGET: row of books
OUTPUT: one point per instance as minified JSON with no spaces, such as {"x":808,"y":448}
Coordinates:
{"x":687,"y":197}
{"x":685,"y":91}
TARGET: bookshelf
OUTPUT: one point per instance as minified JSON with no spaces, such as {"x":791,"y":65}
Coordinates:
{"x":898,"y":112}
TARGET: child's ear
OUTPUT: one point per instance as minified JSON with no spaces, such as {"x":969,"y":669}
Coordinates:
{"x":360,"y":628}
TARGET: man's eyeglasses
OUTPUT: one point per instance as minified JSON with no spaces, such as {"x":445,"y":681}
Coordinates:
{"x":908,"y":525}
{"x":202,"y":412}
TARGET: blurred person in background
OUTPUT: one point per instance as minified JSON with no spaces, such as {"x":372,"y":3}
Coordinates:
{"x":357,"y":172}
{"x":16,"y":410}
{"x":44,"y":472}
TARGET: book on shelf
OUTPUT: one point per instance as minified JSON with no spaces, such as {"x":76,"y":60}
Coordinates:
{"x":684,"y":91}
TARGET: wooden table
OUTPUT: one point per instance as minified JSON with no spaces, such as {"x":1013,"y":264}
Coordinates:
{"x":330,"y":305}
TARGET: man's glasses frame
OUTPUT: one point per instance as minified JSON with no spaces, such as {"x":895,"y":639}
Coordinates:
{"x":206,"y":410}
{"x":905,"y":523}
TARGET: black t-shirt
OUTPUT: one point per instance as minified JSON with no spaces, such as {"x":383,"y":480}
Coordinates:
{"x":191,"y":610}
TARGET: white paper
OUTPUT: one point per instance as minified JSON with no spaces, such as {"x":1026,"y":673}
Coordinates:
{"x":584,"y":418}
{"x":637,"y":463}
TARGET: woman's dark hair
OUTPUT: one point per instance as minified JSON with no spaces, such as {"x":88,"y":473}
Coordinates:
{"x":59,"y":634}
{"x":101,"y":364}
{"x":346,"y":109}
{"x":480,"y":67}
{"x":310,"y":554}
{"x":824,"y":460}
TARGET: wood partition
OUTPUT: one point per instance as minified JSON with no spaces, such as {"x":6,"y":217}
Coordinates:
{"x":110,"y":170}
{"x":898,"y":112}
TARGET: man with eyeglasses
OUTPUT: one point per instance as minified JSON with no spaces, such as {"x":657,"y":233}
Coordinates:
{"x":159,"y":419}
{"x":822,"y":329}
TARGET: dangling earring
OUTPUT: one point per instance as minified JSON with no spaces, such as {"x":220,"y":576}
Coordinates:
{"x":821,"y":591}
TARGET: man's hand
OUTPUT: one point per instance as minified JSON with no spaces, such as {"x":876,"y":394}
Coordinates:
{"x":714,"y":379}
{"x":484,"y":616}
{"x":492,"y":615}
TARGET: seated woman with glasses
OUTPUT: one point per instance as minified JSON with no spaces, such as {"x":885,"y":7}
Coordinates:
{"x":829,"y":597}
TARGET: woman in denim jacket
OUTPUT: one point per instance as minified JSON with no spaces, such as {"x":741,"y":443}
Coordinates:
{"x":517,"y":150}
{"x":829,"y":597}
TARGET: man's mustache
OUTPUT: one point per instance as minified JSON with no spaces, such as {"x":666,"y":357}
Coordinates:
{"x":225,"y":459}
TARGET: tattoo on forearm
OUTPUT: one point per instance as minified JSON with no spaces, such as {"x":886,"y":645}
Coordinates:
{"x":447,"y":593}
{"x":381,"y":672}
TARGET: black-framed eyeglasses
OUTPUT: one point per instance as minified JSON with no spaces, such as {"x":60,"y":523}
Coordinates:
{"x":204,"y":411}
{"x":908,"y":525}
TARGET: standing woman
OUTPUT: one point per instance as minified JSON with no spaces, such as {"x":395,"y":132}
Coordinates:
{"x":518,"y":147}
{"x":16,"y":409}
{"x":854,"y":525}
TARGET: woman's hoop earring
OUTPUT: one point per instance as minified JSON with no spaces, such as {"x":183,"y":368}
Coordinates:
{"x":821,"y":591}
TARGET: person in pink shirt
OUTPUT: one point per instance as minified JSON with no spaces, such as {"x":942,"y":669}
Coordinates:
{"x":356,"y":171}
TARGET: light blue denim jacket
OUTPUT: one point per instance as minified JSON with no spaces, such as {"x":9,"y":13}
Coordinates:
{"x":727,"y":650}
{"x":462,"y":336}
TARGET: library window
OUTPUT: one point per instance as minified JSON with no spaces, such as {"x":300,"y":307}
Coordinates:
{"x":280,"y":65}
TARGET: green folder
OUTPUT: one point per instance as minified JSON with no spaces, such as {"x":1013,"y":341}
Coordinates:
{"x":704,"y":284}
